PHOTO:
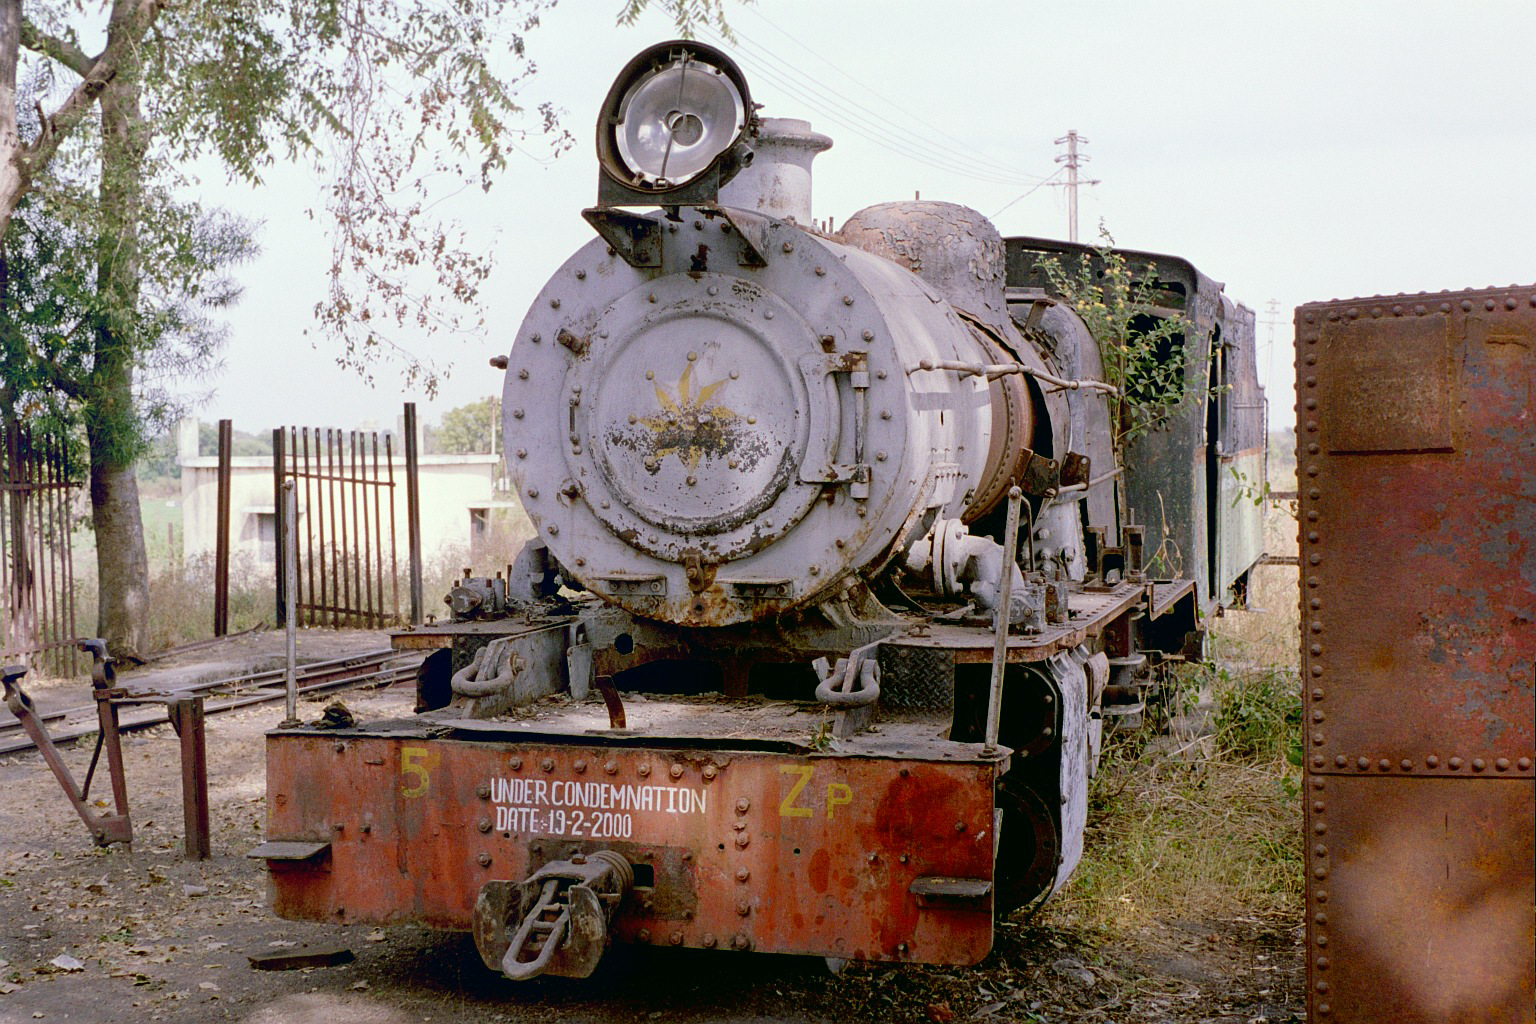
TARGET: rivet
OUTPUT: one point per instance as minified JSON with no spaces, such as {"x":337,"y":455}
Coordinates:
{"x":881,"y":456}
{"x":1312,"y":425}
{"x":676,"y":938}
{"x":1524,"y":764}
{"x":522,"y":374}
{"x":1317,"y":693}
{"x":1478,"y":764}
{"x":1322,"y":897}
{"x":1352,"y":313}
{"x":1312,"y":449}
{"x":483,"y":791}
{"x":1333,"y":314}
{"x":581,"y":275}
{"x":554,"y":303}
{"x":1320,"y":919}
{"x":676,"y":771}
{"x":651,"y":297}
{"x":522,"y":453}
{"x":484,"y":825}
{"x":580,"y":561}
{"x":1315,"y":560}
{"x":1311,"y":359}
{"x":1317,"y":716}
{"x":1317,"y":739}
{"x":821,"y":271}
{"x":814,"y":570}
{"x":1341,"y":760}
{"x":517,"y":764}
{"x":554,"y":530}
{"x":484,"y":860}
{"x":1466,"y":305}
{"x":1419,"y":310}
{"x":1313,"y":581}
{"x":959,"y":826}
{"x":643,"y":935}
{"x":708,"y":941}
{"x":713,"y":289}
{"x":741,"y":942}
{"x":1320,"y":873}
{"x":1363,"y":763}
{"x":751,"y":420}
{"x":517,"y":414}
{"x":1311,"y":382}
{"x":788,"y":246}
{"x":1384,"y":764}
{"x":1375,"y":311}
{"x":1406,"y":765}
{"x":1502,"y":764}
{"x":1397,"y":310}
{"x":536,"y":337}
{"x":580,"y":765}
{"x":1324,"y":1009}
{"x":1455,"y":763}
{"x":1319,"y":850}
{"x":1317,"y":807}
{"x":1432,"y":761}
{"x":692,"y":481}
{"x":1321,"y":986}
{"x":1310,"y":317}
{"x":1315,"y":603}
{"x":1510,"y":303}
{"x":1315,"y":625}
{"x":873,"y":858}
{"x":742,"y":839}
{"x":869,"y":335}
{"x":1488,"y":305}
{"x":847,"y":300}
{"x":698,"y":225}
{"x":1312,"y":470}
{"x":1316,"y":649}
{"x":1317,"y":762}
{"x":743,"y":908}
{"x":650,"y":374}
{"x":548,"y":764}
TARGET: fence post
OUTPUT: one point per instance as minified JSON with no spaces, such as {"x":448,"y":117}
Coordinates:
{"x":280,"y":523}
{"x":221,"y":540}
{"x":413,"y":511}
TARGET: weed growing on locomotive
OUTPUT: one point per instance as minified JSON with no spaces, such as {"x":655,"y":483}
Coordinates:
{"x":832,"y":595}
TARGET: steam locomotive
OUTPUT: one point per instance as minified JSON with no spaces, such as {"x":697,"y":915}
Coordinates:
{"x":838,"y":577}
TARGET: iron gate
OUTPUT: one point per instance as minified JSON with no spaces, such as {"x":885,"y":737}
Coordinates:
{"x":1417,"y":467}
{"x":348,"y":530}
{"x":37,"y":569}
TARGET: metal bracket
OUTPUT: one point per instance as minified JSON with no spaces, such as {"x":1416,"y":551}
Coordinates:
{"x":634,"y":584}
{"x":635,"y":238}
{"x":856,"y":474}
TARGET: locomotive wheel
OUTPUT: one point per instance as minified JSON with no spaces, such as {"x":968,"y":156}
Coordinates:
{"x":1030,"y":848}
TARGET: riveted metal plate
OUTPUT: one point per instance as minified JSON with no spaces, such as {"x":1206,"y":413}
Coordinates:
{"x":1416,"y":460}
{"x":774,"y":851}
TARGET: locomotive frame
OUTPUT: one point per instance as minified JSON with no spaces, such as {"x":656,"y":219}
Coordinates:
{"x":834,"y":685}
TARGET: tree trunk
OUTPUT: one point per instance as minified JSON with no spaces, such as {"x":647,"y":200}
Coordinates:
{"x":12,"y":181}
{"x":111,"y":418}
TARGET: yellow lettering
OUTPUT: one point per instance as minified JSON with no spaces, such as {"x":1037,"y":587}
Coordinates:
{"x":787,"y":809}
{"x":414,"y":762}
{"x":838,"y":793}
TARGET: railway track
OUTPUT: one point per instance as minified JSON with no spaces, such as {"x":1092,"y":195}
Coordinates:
{"x":372,"y":669}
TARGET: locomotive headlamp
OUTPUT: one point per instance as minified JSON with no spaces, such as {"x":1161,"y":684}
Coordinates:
{"x":672,"y":115}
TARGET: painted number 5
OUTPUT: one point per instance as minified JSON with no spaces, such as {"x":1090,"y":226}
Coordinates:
{"x":413,"y":765}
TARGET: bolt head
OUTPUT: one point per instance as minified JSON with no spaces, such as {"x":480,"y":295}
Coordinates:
{"x":484,"y":860}
{"x":676,"y":771}
{"x":611,"y":767}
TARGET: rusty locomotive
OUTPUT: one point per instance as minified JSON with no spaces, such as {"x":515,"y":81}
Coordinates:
{"x":838,"y":578}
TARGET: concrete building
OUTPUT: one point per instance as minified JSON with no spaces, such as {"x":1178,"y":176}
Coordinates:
{"x":456,"y":492}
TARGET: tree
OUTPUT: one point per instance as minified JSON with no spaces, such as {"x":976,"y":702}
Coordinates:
{"x":396,"y":99}
{"x":469,"y":429}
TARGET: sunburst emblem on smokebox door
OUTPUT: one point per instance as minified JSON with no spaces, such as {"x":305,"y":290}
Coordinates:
{"x":688,"y":425}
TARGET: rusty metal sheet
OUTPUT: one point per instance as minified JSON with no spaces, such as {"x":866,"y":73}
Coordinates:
{"x":734,"y":849}
{"x":1417,"y":467}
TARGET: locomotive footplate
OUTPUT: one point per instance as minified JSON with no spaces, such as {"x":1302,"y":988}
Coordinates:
{"x":880,"y":849}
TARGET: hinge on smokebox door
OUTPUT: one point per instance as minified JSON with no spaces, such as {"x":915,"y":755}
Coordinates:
{"x":554,"y":922}
{"x":857,"y":473}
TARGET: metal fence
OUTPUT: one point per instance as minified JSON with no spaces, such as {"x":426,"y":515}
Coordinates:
{"x":349,"y":539}
{"x":37,"y":569}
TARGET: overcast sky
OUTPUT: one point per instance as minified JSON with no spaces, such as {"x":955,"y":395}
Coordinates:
{"x":1295,"y":151}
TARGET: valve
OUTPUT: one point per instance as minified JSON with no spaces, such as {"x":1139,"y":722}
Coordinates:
{"x":554,"y":922}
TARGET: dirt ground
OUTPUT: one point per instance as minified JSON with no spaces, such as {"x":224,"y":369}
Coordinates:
{"x":142,"y":935}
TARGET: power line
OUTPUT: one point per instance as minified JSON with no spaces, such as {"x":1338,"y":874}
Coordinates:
{"x":1029,"y":191}
{"x":1073,"y":159}
{"x":847,"y":114}
{"x":974,"y":154}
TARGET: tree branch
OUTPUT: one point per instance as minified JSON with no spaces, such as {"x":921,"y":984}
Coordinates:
{"x":65,"y":51}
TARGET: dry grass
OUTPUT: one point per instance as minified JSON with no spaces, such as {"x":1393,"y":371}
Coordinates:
{"x":1214,"y":832}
